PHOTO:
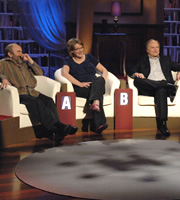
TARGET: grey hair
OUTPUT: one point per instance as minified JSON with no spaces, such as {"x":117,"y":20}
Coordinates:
{"x":147,"y":43}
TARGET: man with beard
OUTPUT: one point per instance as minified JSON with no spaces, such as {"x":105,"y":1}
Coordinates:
{"x":18,"y":69}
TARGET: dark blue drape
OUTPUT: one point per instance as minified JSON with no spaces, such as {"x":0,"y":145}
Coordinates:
{"x":45,"y":19}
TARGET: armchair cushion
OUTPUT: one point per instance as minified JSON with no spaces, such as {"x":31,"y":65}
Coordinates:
{"x":146,"y":100}
{"x":63,"y":80}
{"x":10,"y":104}
{"x":47,"y":86}
{"x":112,"y":83}
{"x":143,"y":106}
{"x":80,"y":102}
{"x":23,"y":110}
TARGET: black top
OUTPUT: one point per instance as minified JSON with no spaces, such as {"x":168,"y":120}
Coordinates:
{"x":85,"y":71}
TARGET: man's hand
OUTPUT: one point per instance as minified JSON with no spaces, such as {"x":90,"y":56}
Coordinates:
{"x":178,"y":76}
{"x":85,"y":84}
{"x":26,"y":57}
{"x":139,"y":75}
{"x":4,"y":84}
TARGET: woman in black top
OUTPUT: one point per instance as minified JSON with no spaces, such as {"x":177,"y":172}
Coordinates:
{"x":80,"y":69}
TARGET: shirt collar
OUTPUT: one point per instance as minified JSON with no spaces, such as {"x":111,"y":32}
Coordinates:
{"x":150,"y":57}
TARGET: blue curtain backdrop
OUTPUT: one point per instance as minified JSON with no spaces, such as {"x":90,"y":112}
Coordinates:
{"x":45,"y":19}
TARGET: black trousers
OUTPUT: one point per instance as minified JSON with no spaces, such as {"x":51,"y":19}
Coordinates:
{"x":43,"y":109}
{"x":95,"y":91}
{"x":158,"y":90}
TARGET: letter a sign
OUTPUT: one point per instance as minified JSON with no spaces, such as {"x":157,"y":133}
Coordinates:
{"x":66,"y":103}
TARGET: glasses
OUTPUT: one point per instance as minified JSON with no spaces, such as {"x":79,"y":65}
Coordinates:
{"x":80,"y":48}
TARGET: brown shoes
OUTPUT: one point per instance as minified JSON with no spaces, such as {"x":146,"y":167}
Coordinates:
{"x":101,"y":128}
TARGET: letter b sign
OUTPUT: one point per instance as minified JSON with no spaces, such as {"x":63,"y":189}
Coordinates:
{"x":123,"y":109}
{"x":124,"y":98}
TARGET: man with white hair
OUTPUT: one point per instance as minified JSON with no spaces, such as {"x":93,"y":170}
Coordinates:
{"x":152,"y":77}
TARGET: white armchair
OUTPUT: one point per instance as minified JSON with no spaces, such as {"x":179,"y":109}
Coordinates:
{"x":9,"y":99}
{"x":143,"y":106}
{"x":112,"y":83}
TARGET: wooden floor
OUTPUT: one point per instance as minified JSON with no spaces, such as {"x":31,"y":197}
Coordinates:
{"x":13,"y":189}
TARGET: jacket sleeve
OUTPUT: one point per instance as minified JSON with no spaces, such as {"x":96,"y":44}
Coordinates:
{"x":174,"y":66}
{"x":134,"y":69}
{"x":36,"y":69}
{"x":2,"y":76}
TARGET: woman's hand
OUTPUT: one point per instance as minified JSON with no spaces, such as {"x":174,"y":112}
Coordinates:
{"x":65,"y":73}
{"x":85,"y":84}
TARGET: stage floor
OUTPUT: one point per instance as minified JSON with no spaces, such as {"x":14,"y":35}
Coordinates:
{"x":12,"y":188}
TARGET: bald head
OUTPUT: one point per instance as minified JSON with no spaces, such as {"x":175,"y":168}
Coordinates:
{"x":9,"y":48}
{"x":14,"y":52}
{"x":153,"y":48}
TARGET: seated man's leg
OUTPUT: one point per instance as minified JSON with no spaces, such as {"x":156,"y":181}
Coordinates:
{"x":40,"y":110}
{"x":157,"y":89}
{"x":160,"y":99}
{"x":162,"y":110}
{"x":60,"y":129}
{"x":148,"y":87}
{"x":44,"y":110}
{"x":172,"y":89}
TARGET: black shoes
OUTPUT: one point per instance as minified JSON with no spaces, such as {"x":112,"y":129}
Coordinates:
{"x":160,"y":136}
{"x":60,"y":134}
{"x":164,"y":131}
{"x":69,"y":130}
{"x":162,"y":127}
{"x":171,"y":91}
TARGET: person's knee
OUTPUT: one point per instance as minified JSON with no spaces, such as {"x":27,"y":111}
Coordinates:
{"x":100,"y":80}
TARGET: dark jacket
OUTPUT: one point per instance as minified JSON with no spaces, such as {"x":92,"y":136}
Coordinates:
{"x":143,"y":66}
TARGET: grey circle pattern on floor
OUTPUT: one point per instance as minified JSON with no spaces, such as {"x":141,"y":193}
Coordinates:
{"x":110,"y":170}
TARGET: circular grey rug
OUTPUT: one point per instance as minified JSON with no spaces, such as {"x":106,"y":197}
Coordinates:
{"x":117,"y":169}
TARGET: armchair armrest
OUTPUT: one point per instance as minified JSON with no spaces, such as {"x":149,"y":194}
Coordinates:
{"x":112,"y":83}
{"x":123,"y":84}
{"x":9,"y":102}
{"x":64,"y":87}
{"x":135,"y":91}
{"x":177,"y":97}
{"x":48,"y":86}
{"x":58,"y":77}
